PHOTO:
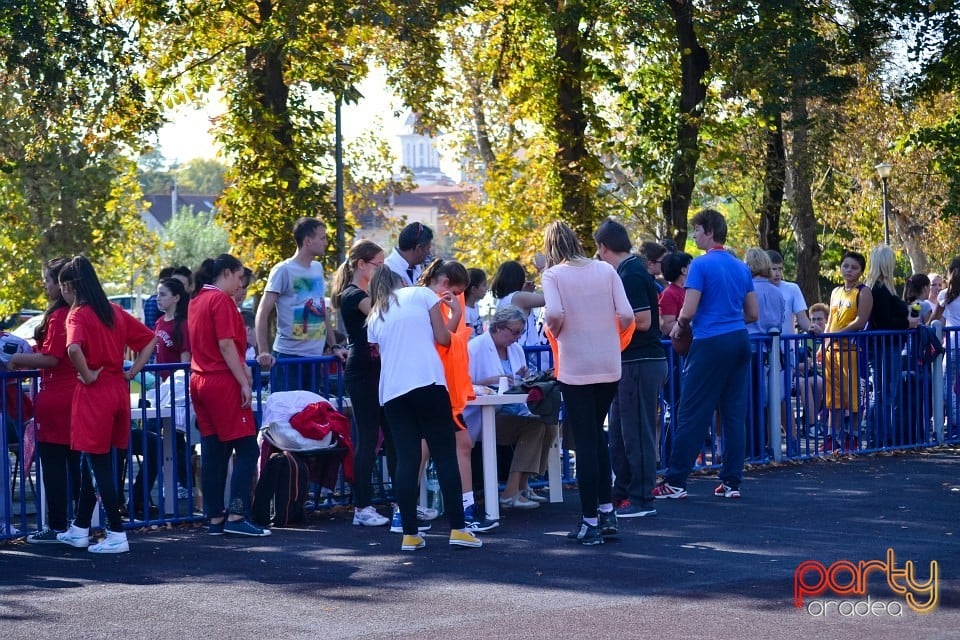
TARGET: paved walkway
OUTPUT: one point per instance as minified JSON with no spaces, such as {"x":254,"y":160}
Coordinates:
{"x":702,"y":568}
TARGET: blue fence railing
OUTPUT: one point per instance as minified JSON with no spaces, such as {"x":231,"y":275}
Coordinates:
{"x":834,"y":393}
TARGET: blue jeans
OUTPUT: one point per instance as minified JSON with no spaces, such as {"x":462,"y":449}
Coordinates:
{"x":715,"y":376}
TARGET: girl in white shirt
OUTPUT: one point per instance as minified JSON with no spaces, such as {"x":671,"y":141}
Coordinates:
{"x":407,"y":324}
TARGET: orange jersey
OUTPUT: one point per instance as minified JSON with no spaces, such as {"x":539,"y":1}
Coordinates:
{"x":456,"y":365}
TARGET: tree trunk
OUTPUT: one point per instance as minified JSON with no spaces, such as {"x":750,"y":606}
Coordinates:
{"x":774,"y":179}
{"x":264,"y":64}
{"x":694,"y":63}
{"x":574,"y":166}
{"x":808,"y":248}
{"x":911,"y":236}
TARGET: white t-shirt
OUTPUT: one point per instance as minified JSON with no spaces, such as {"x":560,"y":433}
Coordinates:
{"x":398,"y":264}
{"x":301,"y":308}
{"x":951,"y":311}
{"x":793,"y":303}
{"x":471,"y":316}
{"x":408,"y":352}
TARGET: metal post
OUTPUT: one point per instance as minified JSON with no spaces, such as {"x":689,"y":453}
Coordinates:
{"x":886,"y":212}
{"x":338,"y":162}
{"x":937,"y":386}
{"x":774,"y":373}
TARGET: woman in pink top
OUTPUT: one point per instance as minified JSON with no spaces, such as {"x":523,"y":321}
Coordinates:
{"x":586,"y":308}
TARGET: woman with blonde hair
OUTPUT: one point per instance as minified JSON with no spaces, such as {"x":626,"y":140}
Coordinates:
{"x":772,"y":309}
{"x":586,"y":308}
{"x":888,"y":313}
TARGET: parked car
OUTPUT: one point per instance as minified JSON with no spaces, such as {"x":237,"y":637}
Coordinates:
{"x":26,"y":329}
{"x":16,"y":319}
{"x":131,"y":304}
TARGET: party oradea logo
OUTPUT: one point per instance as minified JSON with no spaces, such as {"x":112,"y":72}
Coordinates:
{"x":858,"y":583}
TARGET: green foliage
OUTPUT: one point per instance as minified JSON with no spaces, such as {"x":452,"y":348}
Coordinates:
{"x":200,"y":176}
{"x":71,"y":108}
{"x":188,"y":238}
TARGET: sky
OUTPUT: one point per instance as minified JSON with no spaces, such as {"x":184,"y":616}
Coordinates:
{"x":187,"y":136}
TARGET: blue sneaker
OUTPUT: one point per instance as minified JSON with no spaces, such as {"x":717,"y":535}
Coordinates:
{"x":475,"y":524}
{"x":245,"y":528}
{"x":215,"y":529}
{"x":396,"y":525}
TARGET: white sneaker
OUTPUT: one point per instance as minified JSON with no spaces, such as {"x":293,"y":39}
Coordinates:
{"x":183,"y":493}
{"x":530,"y":494}
{"x":75,"y":537}
{"x":426,"y":513}
{"x":115,"y":542}
{"x":368,"y":517}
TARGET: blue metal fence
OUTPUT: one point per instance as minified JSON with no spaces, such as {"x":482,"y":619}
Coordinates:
{"x":832,"y":394}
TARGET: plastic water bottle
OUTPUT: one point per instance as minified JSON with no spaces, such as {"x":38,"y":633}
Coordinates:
{"x":434,"y":496}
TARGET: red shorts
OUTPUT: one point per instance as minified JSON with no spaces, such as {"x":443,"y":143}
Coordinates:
{"x":216,"y":403}
{"x":51,"y":410}
{"x":100,"y":416}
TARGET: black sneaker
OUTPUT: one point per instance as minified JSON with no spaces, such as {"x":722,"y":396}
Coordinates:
{"x":586,"y":534}
{"x":608,"y":523}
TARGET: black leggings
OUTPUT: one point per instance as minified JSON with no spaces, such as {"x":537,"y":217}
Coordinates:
{"x":424,"y":414}
{"x":369,"y":418}
{"x":585,"y":407}
{"x":61,"y":481}
{"x":99,"y":467}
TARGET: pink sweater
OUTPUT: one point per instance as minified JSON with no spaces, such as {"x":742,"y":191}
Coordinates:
{"x":585,"y":303}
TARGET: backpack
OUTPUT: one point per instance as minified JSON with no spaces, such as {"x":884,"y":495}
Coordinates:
{"x":282,"y":485}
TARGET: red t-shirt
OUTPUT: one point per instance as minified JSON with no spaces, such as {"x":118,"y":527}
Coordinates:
{"x":671,"y":300}
{"x":104,"y":346}
{"x":169,"y":350}
{"x":55,"y":345}
{"x":213,"y":317}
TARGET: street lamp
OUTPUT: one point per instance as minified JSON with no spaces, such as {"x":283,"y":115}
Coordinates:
{"x":883,"y":170}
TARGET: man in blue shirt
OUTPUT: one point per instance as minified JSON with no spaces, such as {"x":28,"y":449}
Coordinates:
{"x":718,"y":304}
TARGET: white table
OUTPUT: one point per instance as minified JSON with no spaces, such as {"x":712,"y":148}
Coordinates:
{"x":491,"y":487}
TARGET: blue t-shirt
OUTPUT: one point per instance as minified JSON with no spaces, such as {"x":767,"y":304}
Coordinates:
{"x":723,"y":282}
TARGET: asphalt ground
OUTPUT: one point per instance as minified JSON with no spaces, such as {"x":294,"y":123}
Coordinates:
{"x":701,"y":568}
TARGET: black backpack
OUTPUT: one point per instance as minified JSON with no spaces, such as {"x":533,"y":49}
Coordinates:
{"x":282,"y":485}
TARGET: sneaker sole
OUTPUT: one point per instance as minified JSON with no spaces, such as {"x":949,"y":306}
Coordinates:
{"x":121,"y":549}
{"x":465,"y":543}
{"x":249,"y":534}
{"x":729,"y":496}
{"x":637,"y":514}
{"x":489,"y":527}
{"x":413,"y":547}
{"x":358,"y":523}
{"x":591,"y":543}
{"x":75,"y":545}
{"x":53,"y":541}
{"x":672,"y":496}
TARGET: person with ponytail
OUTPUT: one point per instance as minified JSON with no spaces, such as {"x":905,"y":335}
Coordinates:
{"x":407,"y":324}
{"x":173,"y":337}
{"x":221,"y":392}
{"x":98,"y":333}
{"x":451,"y":278}
{"x":58,"y":380}
{"x":475,"y":291}
{"x":173,"y":346}
{"x":362,"y":375}
{"x":948,"y":309}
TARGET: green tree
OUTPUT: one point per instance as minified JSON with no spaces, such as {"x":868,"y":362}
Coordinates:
{"x":201,"y":176}
{"x":71,"y":109}
{"x":189,"y":238}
